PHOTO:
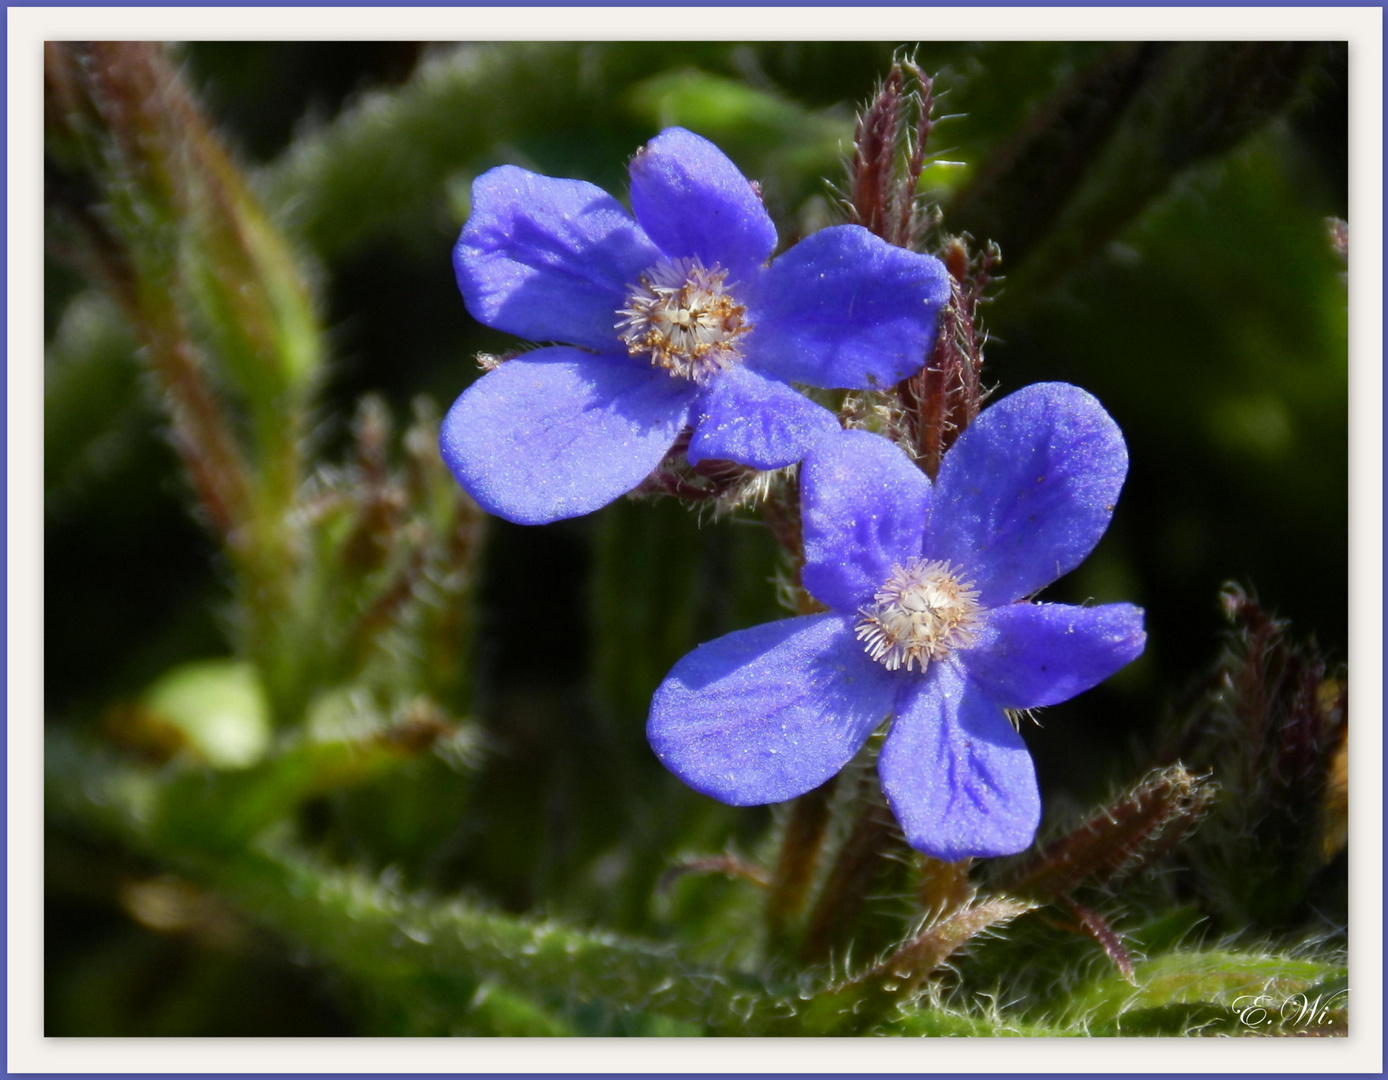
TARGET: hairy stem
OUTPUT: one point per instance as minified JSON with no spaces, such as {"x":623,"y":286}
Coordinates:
{"x":801,"y":847}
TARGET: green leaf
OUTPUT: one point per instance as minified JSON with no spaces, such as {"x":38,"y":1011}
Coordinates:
{"x":202,"y":808}
{"x":1184,"y":992}
{"x":218,"y":707}
{"x":383,"y":163}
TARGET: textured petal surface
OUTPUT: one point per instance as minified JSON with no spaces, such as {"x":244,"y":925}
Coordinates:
{"x":748,"y":418}
{"x":547,"y":259}
{"x":1042,"y":654}
{"x":557,"y":432}
{"x":958,"y":777}
{"x":693,"y":201}
{"x":864,"y":506}
{"x":1028,"y":490}
{"x":844,"y":308}
{"x":766,"y":714}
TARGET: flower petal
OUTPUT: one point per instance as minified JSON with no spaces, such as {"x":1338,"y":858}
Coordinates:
{"x":958,"y":777}
{"x":748,"y":418}
{"x":864,"y":506}
{"x":844,"y":308}
{"x":693,"y":201}
{"x":1043,"y":654}
{"x":557,"y":432}
{"x":547,"y":259}
{"x":1028,"y":490}
{"x":766,"y":714}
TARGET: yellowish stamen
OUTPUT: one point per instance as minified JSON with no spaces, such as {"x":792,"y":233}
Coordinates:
{"x":923,"y":612}
{"x":682,"y":316}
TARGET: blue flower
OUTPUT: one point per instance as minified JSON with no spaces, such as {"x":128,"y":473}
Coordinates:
{"x":672,"y":320}
{"x":928,"y":622}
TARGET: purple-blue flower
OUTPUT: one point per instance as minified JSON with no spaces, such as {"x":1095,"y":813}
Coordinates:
{"x":670,"y":320}
{"x":929,"y":622}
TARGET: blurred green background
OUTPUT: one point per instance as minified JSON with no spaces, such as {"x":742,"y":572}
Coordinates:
{"x":1162,"y":218}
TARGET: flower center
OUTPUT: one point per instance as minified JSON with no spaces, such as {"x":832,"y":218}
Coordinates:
{"x":921,"y":613}
{"x":682,"y":317}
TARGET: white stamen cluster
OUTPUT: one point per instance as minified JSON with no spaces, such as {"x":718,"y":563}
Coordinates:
{"x":921,"y":613}
{"x":682,"y":316}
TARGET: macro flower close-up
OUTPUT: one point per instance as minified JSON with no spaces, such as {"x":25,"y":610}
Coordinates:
{"x":674,"y":319}
{"x":596,"y":539}
{"x":929,"y":622}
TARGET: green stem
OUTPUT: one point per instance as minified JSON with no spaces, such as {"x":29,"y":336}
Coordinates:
{"x":845,"y":890}
{"x":372,"y":930}
{"x":801,"y":846}
{"x":376,"y":932}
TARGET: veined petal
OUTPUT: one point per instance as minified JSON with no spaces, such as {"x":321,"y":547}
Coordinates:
{"x":1042,"y":654}
{"x":766,"y":714}
{"x":1028,"y":490}
{"x":557,"y":432}
{"x":844,"y":308}
{"x":693,"y":201}
{"x":748,"y":418}
{"x":548,"y":259}
{"x":864,"y":507}
{"x":958,"y":777}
